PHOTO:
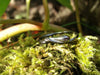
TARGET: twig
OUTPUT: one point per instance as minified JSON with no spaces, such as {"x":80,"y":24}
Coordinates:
{"x":9,"y":45}
{"x":13,"y":21}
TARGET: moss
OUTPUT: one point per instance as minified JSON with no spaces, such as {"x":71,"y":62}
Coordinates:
{"x":28,"y":58}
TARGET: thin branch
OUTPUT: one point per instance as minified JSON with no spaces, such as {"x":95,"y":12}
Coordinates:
{"x":9,"y":45}
{"x":13,"y":21}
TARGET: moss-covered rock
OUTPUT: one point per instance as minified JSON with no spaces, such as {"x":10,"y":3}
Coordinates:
{"x":30,"y":58}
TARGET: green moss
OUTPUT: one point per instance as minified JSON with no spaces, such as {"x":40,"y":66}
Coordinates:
{"x":30,"y":58}
{"x":85,"y":52}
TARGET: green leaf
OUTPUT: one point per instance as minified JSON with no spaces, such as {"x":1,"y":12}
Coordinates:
{"x":66,"y":3}
{"x":3,"y":6}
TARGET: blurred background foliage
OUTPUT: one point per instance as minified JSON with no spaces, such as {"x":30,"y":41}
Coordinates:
{"x":62,"y":12}
{"x":3,"y":6}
